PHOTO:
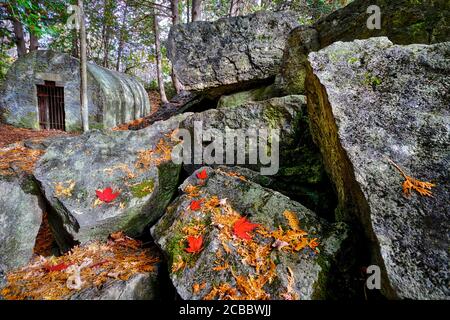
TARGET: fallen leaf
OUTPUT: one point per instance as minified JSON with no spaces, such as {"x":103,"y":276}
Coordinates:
{"x":291,"y":217}
{"x":195,"y":205}
{"x":195,"y":244}
{"x":192,"y":191}
{"x":64,"y":191}
{"x":202,"y":175}
{"x":58,"y":267}
{"x":178,"y":265}
{"x":313,"y":244}
{"x":196,"y":288}
{"x":242,"y":227}
{"x":74,"y":281}
{"x":107,"y":195}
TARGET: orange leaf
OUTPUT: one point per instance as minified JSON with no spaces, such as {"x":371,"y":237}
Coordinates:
{"x":242,"y":227}
{"x":313,"y":243}
{"x":202,"y":174}
{"x":195,"y":244}
{"x":107,"y":195}
{"x":195,"y":205}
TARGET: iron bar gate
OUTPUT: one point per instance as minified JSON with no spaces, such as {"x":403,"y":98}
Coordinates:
{"x":51,"y":106}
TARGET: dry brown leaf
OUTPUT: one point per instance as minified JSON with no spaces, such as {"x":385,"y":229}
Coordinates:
{"x":94,"y":261}
{"x":64,"y":189}
{"x":292,"y":219}
{"x":18,"y":157}
{"x":178,"y":265}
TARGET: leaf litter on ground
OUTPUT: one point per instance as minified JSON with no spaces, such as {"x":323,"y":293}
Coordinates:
{"x":89,"y":265}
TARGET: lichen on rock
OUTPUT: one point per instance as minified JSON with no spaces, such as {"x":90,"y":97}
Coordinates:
{"x":286,"y":256}
{"x":404,"y":118}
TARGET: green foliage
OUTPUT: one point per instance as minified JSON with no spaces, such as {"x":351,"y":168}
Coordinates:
{"x":143,"y":189}
{"x":39,"y":17}
{"x":153,"y":86}
{"x":126,"y":26}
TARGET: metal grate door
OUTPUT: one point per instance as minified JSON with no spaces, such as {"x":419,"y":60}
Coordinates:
{"x":51,"y":106}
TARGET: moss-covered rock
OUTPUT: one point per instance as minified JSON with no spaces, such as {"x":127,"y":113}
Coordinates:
{"x":300,"y":174}
{"x":361,"y":126}
{"x":132,"y":163}
{"x":226,"y":264}
{"x":402,"y":21}
{"x":229,"y":54}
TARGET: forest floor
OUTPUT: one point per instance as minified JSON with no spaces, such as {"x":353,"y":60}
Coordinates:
{"x":155,"y":100}
{"x":10,"y":134}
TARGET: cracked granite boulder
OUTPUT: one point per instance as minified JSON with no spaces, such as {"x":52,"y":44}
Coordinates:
{"x":136,"y":165}
{"x":370,"y":101}
{"x":298,"y":168}
{"x":290,"y":254}
{"x":230,"y":53}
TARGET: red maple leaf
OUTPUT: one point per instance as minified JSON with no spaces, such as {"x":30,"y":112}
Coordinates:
{"x":195,"y":205}
{"x":57,"y":267}
{"x":195,"y":244}
{"x":242,"y":227}
{"x":107,"y":195}
{"x":202,"y":174}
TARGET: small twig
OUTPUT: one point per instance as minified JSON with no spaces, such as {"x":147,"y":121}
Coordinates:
{"x":398,"y":168}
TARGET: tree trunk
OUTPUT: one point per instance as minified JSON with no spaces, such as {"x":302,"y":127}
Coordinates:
{"x":75,"y":49}
{"x":188,"y":12}
{"x":175,"y":20}
{"x":122,"y":36}
{"x":19,"y":38}
{"x":196,"y":10}
{"x":236,"y":7}
{"x":230,"y":12}
{"x":34,"y":38}
{"x":106,"y":31}
{"x":34,"y":42}
{"x":83,"y":71}
{"x":174,"y":10}
{"x":162,"y":91}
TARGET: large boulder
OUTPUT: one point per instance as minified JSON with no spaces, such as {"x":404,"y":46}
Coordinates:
{"x":278,"y":260}
{"x":136,"y":165}
{"x":20,"y":219}
{"x":230,"y":53}
{"x":266,"y":265}
{"x":374,"y":106}
{"x":269,"y":115}
{"x":403,"y":21}
{"x":297,"y":167}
